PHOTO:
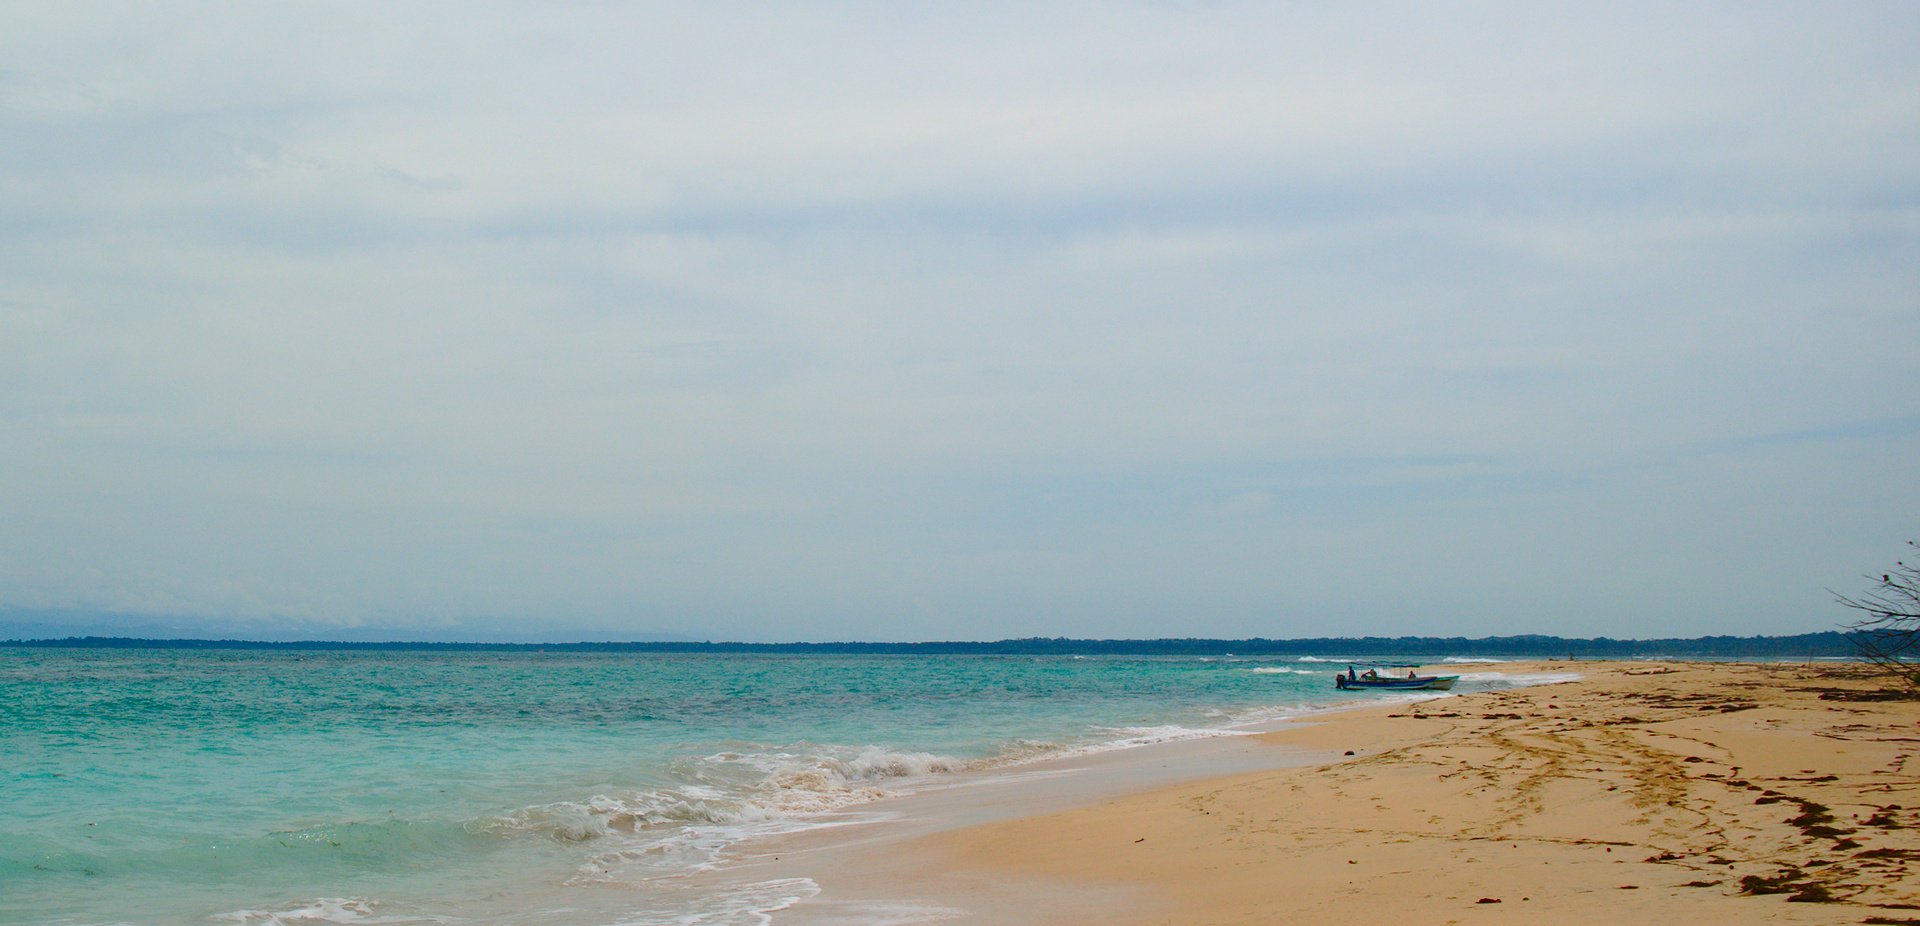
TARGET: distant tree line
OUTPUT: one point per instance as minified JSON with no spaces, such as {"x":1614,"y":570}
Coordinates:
{"x":1806,"y":645}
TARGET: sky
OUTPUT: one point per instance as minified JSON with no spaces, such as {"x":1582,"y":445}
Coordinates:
{"x":598,"y":320}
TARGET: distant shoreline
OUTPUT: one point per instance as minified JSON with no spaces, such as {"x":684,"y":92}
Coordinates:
{"x":1829,"y":644}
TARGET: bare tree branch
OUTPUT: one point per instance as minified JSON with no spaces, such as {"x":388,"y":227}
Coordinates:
{"x":1888,"y":635}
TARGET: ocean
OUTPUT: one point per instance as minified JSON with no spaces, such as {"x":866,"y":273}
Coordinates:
{"x":161,"y":787}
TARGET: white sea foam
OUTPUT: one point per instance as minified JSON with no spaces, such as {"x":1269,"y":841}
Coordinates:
{"x":354,"y":910}
{"x":1491,"y":681}
{"x":602,"y":815}
{"x":743,"y":905}
{"x":1273,"y":713}
{"x":1131,"y":737}
{"x":821,"y":779}
{"x":744,"y":789}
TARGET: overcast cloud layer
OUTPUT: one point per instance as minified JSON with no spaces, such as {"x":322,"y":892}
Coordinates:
{"x":965,"y":321}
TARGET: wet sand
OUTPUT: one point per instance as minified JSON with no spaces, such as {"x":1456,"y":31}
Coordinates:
{"x":1644,"y":793}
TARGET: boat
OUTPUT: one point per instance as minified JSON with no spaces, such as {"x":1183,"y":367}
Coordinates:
{"x":1372,"y":678}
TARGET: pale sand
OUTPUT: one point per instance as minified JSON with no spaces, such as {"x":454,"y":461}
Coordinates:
{"x":1645,"y":793}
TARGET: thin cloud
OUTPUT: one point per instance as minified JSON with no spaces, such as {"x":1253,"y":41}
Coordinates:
{"x":856,"y":320}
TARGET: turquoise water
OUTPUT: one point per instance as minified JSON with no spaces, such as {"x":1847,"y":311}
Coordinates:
{"x":160,"y":787}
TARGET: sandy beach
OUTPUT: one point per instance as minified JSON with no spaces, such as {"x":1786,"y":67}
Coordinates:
{"x":1644,"y":792}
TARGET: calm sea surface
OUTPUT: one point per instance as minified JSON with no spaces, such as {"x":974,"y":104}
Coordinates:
{"x":160,"y":787}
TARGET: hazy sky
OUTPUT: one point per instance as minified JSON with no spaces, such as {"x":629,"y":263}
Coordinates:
{"x":800,"y":321}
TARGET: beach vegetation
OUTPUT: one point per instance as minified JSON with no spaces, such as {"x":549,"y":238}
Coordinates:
{"x":1888,"y":633}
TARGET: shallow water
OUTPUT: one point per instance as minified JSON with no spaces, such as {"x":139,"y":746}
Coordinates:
{"x":160,"y":787}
